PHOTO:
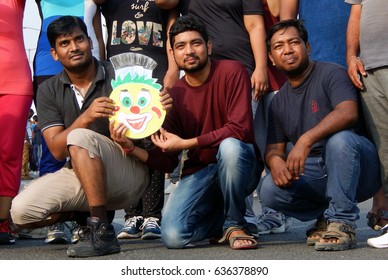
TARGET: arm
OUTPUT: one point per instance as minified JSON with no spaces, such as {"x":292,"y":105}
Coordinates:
{"x":56,"y":136}
{"x":288,"y":9}
{"x":98,"y":31}
{"x":274,"y":7}
{"x":167,"y":4}
{"x":172,"y":73}
{"x":344,"y":116}
{"x":256,"y":29}
{"x":355,"y":65}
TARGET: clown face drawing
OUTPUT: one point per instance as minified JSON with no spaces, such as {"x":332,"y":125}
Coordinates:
{"x":139,"y":107}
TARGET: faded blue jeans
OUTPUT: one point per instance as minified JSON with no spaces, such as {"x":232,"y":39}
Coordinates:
{"x":207,"y":202}
{"x":347,"y":173}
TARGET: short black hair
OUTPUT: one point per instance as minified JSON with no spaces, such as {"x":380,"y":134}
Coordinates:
{"x":188,"y":23}
{"x":284,"y":24}
{"x":64,"y":26}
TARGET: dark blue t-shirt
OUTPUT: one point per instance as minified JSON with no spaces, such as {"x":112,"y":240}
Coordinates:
{"x":294,"y":111}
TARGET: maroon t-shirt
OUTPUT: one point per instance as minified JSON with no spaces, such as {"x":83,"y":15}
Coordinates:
{"x":218,"y":109}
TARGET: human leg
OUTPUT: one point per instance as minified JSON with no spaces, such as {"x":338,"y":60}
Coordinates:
{"x":347,"y":157}
{"x":153,"y":200}
{"x":304,"y":199}
{"x":194,"y":211}
{"x":143,"y":219}
{"x":111,"y":180}
{"x":238,"y":175}
{"x":375,"y":107}
{"x":353,"y":175}
{"x":13,"y":115}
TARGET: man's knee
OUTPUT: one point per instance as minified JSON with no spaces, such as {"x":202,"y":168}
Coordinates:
{"x":22,"y":213}
{"x":231,"y":151}
{"x":341,"y":142}
{"x":172,"y":238}
{"x":81,"y":137}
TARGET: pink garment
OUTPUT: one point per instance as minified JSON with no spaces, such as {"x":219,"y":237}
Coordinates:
{"x":15,"y":95}
{"x":15,"y":73}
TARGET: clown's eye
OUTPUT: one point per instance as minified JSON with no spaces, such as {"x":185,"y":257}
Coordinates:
{"x":143,"y":98}
{"x":125,"y":98}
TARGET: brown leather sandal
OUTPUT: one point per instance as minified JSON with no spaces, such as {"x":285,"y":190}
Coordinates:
{"x":377,"y":220}
{"x":345,"y":234}
{"x":315,"y":231}
{"x":230,"y":240}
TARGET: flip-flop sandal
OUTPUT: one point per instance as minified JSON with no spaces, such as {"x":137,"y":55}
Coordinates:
{"x":345,"y":234}
{"x":231,"y":240}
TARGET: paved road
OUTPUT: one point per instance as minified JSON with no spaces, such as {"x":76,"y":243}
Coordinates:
{"x":287,"y":246}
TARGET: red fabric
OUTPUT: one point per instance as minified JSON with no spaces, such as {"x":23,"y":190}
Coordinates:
{"x":275,"y":77}
{"x":14,"y":111}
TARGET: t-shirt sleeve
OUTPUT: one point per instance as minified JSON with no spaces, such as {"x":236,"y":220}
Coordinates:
{"x":339,"y":87}
{"x":275,"y":133}
{"x":48,"y":112}
{"x":252,"y":7}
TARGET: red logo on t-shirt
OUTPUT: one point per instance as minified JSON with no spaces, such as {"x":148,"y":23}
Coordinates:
{"x":314,"y":106}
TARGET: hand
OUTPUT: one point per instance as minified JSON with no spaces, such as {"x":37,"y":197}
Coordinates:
{"x":281,"y":176}
{"x":355,"y":68}
{"x":165,"y":99}
{"x":117,"y":133}
{"x":297,"y":157}
{"x":168,"y":142}
{"x":259,"y":80}
{"x":102,"y":107}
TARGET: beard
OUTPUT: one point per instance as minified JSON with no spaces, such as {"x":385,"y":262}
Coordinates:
{"x":195,"y":68}
{"x":292,"y":73}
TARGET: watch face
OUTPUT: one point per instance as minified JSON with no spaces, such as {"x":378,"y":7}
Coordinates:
{"x":139,"y":105}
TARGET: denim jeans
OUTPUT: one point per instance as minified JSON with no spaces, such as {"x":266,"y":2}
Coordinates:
{"x":212,"y":199}
{"x":347,"y":173}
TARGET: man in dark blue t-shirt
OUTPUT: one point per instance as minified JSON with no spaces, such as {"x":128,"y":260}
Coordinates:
{"x":323,"y":176}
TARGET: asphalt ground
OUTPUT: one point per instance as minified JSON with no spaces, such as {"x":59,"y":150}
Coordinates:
{"x":275,"y":248}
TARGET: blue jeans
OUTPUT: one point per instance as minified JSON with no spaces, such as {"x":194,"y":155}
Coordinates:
{"x":212,"y":199}
{"x":347,"y":173}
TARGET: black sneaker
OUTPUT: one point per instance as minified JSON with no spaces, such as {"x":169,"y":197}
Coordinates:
{"x":7,"y":237}
{"x":96,"y":239}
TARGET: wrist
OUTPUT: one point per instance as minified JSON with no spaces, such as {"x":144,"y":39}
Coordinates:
{"x":351,"y":57}
{"x":129,"y":150}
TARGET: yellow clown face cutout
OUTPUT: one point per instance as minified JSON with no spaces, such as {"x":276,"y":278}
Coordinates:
{"x":139,"y":105}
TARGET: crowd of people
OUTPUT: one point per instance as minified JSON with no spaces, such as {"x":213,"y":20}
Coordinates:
{"x":271,"y":97}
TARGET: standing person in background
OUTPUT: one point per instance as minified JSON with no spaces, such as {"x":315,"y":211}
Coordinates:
{"x":136,"y":29}
{"x":237,"y":31}
{"x":16,"y":95}
{"x":36,"y":141}
{"x":367,"y":59}
{"x":45,"y":67}
{"x":27,"y":148}
{"x":326,"y":22}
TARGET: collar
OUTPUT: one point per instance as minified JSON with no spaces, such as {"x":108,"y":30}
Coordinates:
{"x":100,"y":75}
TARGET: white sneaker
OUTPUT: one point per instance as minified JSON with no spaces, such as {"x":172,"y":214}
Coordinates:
{"x":169,"y":189}
{"x":380,"y":241}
